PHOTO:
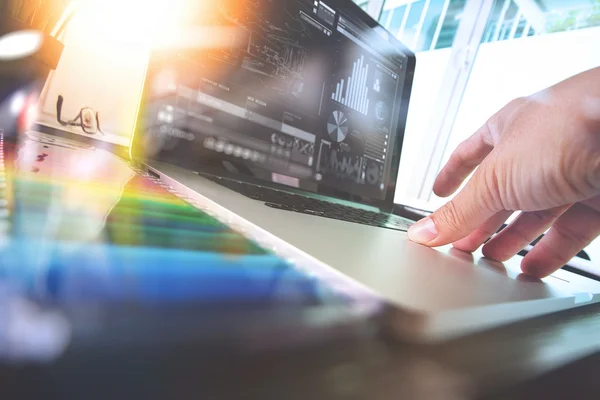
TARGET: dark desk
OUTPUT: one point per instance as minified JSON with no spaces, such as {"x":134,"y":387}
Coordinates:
{"x":512,"y":362}
{"x":495,"y":361}
{"x":506,"y":363}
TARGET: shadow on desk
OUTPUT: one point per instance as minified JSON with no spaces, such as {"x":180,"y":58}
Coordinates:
{"x":577,"y":380}
{"x":525,"y":360}
{"x":519,"y":358}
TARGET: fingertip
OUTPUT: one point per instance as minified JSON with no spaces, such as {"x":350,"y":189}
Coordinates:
{"x":493,"y":252}
{"x":465,"y":245}
{"x":438,"y":188}
{"x":442,"y":187}
{"x":528,"y":278}
{"x":534,"y":273}
{"x":423,"y":232}
{"x":535,"y":268}
{"x":442,"y":192}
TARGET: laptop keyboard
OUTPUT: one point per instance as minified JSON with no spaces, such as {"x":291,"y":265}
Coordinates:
{"x":287,"y":201}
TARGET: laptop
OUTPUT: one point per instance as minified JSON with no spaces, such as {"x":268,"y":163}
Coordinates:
{"x":288,"y":125}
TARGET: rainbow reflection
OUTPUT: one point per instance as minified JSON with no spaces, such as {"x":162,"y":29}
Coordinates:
{"x":84,"y":227}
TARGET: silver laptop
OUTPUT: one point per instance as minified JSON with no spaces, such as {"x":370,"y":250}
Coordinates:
{"x":289,"y":127}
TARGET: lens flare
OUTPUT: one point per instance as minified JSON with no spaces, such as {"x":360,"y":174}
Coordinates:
{"x":20,"y":44}
{"x":17,"y":102}
{"x":138,"y":22}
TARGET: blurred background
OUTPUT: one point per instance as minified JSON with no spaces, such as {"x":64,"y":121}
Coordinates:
{"x":473,"y":56}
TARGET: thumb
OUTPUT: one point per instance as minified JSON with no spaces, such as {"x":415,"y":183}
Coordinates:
{"x":459,"y":217}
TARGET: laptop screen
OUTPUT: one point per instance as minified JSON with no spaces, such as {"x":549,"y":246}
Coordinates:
{"x":305,"y":93}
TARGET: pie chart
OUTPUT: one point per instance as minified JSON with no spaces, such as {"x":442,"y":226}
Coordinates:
{"x":337,"y":126}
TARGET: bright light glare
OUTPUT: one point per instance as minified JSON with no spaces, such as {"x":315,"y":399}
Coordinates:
{"x":206,"y":37}
{"x":132,"y":21}
{"x":31,"y":112}
{"x":150,"y":24}
{"x":20,"y":44}
{"x":17,"y":103}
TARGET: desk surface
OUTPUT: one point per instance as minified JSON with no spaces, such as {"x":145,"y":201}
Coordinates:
{"x":502,"y":364}
{"x":366,"y":365}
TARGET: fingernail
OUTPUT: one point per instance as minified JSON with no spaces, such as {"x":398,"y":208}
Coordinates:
{"x":423,"y":231}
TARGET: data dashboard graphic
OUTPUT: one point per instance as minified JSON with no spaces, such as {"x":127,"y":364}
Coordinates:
{"x":348,"y":167}
{"x":337,"y":126}
{"x":340,"y":164}
{"x":302,"y":90}
{"x":381,"y":112}
{"x":354,"y":92}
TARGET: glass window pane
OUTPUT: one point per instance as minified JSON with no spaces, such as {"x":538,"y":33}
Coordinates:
{"x":362,"y":4}
{"x":450,"y":24}
{"x":396,"y":20}
{"x":571,"y":15}
{"x":432,"y":18}
{"x":551,"y":15}
{"x":409,"y":35}
{"x":430,"y":24}
{"x":384,"y":18}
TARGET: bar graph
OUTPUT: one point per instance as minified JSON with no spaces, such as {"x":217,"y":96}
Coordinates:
{"x":354,"y":92}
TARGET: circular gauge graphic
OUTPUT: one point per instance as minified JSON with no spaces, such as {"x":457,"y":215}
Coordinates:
{"x":337,"y":126}
{"x":381,"y":112}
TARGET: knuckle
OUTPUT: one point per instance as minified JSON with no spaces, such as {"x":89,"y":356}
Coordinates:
{"x":507,"y":110}
{"x":490,"y":131}
{"x":517,"y":101}
{"x":541,"y":216}
{"x":522,"y":236}
{"x":449,"y":216}
{"x":499,"y":121}
{"x":462,"y":158}
{"x":485,"y":231}
{"x":569,"y":234}
{"x":559,"y":257}
{"x":592,"y":176}
{"x":459,"y":155}
{"x":491,"y":191}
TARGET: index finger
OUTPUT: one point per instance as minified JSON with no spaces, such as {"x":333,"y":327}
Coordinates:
{"x":470,"y":153}
{"x":467,"y":156}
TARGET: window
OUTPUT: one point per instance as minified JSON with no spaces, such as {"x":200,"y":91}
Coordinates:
{"x":423,"y":24}
{"x":373,"y":7}
{"x":473,"y":57}
{"x":364,"y":4}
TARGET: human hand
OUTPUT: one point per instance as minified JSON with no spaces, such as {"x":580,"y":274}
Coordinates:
{"x":539,"y":155}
